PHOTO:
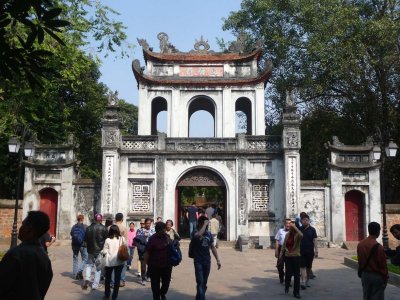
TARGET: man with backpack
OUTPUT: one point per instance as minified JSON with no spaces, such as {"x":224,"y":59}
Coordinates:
{"x":78,"y":246}
{"x":158,"y":258}
{"x":199,"y":250}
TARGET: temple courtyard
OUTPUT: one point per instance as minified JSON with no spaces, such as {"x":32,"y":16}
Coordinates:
{"x":244,"y":275}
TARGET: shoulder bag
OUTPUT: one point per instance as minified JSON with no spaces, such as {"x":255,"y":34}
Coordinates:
{"x":373,"y":250}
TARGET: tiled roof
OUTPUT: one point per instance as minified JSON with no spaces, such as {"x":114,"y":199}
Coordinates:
{"x":211,"y":57}
{"x":200,"y":81}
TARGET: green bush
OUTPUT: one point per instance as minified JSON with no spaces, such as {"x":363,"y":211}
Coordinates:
{"x":392,"y":268}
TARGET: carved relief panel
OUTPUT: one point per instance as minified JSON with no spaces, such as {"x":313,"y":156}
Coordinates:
{"x":292,"y":139}
{"x":260,"y":196}
{"x":313,"y":203}
{"x":141,"y":200}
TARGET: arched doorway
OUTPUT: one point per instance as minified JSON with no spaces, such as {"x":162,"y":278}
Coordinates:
{"x":48,"y":204}
{"x":354,"y":210}
{"x":204,"y":188}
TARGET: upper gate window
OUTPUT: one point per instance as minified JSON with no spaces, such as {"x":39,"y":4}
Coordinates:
{"x":243,"y":116}
{"x":201,"y":117}
{"x":159,"y":109}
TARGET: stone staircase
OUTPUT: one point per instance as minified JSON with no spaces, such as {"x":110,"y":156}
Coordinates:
{"x":350,"y":245}
{"x":184,"y":243}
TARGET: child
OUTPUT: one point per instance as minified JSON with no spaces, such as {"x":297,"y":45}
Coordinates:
{"x":131,"y":245}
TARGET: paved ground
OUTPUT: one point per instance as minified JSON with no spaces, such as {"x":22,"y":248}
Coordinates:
{"x":250,"y":275}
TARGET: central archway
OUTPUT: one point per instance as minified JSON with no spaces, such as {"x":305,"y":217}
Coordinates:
{"x":202,"y":187}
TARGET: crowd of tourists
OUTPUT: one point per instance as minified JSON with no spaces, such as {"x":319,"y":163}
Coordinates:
{"x":296,"y":247}
{"x":108,"y":251}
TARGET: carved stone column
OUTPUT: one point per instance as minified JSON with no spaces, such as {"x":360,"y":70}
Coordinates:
{"x":110,"y":142}
{"x":291,"y":141}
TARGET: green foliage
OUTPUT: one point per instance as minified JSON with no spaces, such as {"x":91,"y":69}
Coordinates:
{"x":73,"y":102}
{"x":392,"y":268}
{"x":128,"y":115}
{"x":23,"y":28}
{"x":338,"y":56}
{"x":212,"y":194}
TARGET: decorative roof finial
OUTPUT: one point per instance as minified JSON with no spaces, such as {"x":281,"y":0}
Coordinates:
{"x":165,"y":46}
{"x":113,"y":98}
{"x":240,"y":44}
{"x":201,"y":45}
{"x":290,"y":100}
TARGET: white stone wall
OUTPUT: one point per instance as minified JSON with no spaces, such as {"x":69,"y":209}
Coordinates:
{"x":314,"y":200}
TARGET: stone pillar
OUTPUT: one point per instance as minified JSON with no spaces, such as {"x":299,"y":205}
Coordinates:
{"x":110,"y":142}
{"x":291,"y":143}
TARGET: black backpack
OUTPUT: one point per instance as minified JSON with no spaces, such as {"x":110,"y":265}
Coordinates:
{"x":175,"y":254}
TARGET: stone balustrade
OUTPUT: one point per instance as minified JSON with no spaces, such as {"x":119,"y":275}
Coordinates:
{"x":270,"y":144}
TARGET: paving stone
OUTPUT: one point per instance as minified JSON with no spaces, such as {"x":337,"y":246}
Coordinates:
{"x":244,"y":275}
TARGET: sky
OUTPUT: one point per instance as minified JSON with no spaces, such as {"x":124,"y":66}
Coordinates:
{"x":183,"y":20}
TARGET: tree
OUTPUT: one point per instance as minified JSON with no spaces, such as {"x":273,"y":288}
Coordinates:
{"x":73,"y":102}
{"x":339,"y":56}
{"x":25,"y":25}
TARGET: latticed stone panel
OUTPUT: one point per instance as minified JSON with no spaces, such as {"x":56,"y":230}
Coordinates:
{"x":260,"y":196}
{"x":141,"y":201}
{"x":139,"y":145}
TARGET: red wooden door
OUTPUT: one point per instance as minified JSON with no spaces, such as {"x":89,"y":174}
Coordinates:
{"x":354,"y":216}
{"x":48,"y":204}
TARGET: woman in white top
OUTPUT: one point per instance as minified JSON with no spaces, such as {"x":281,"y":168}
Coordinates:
{"x":110,"y":251}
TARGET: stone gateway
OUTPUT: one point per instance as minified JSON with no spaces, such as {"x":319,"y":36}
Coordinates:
{"x":256,"y":176}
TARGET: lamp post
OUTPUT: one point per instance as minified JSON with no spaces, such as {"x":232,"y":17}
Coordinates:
{"x":390,"y":151}
{"x":22,"y":148}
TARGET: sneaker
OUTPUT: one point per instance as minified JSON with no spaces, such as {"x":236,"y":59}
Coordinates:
{"x":143,"y":282}
{"x":128,"y":268}
{"x":79,"y":275}
{"x":122,"y":284}
{"x":303,"y":287}
{"x":99,"y":286}
{"x":138,"y":274}
{"x":312,"y":276}
{"x":307,"y":284}
{"x":148,"y":279}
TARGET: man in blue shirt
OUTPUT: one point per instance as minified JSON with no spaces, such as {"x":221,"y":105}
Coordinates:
{"x":279,"y":238}
{"x":202,"y":242}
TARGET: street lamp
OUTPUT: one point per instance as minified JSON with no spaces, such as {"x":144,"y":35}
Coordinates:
{"x":22,"y":148}
{"x":390,"y":151}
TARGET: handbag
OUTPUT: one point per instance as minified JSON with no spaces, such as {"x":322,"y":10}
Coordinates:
{"x":123,"y":253}
{"x":373,"y":250}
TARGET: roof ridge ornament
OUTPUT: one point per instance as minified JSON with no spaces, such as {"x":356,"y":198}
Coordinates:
{"x":201,"y":46}
{"x":144,"y":44}
{"x":165,"y":45}
{"x":240,"y":44}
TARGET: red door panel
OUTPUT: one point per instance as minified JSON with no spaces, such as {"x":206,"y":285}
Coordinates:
{"x":48,"y":204}
{"x":354,"y":216}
